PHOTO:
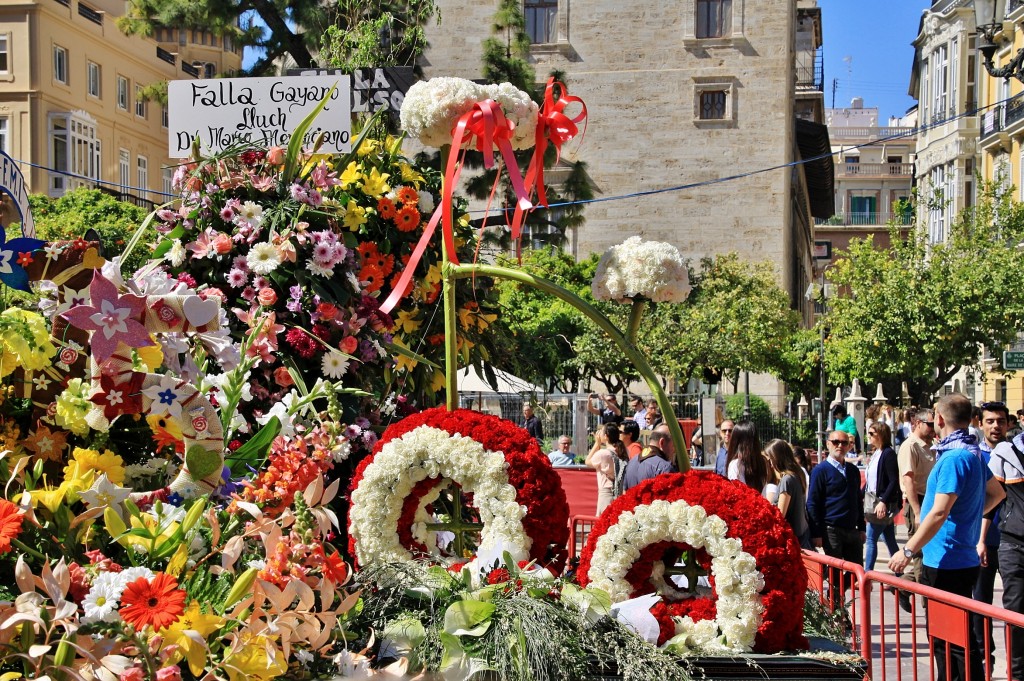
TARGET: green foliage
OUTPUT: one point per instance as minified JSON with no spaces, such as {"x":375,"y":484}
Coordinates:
{"x":916,"y":312}
{"x":382,"y":34}
{"x":759,"y":409}
{"x":736,"y":318}
{"x":801,"y":363}
{"x":71,"y":215}
{"x":506,"y":51}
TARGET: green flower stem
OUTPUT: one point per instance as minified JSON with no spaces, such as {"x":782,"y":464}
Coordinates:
{"x":451,"y":364}
{"x":635,"y":356}
{"x":20,"y":545}
{"x":636,"y":313}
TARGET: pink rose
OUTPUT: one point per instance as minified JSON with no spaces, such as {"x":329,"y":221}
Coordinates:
{"x":172,"y":673}
{"x":267,"y":296}
{"x":222,"y":244}
{"x":282,"y":377}
{"x":349,"y":345}
{"x":275,"y":156}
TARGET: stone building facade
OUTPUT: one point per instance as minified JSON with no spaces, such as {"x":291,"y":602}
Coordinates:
{"x":70,"y":95}
{"x":682,"y":94}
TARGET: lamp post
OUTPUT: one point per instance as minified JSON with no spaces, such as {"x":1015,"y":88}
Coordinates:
{"x":988,"y":19}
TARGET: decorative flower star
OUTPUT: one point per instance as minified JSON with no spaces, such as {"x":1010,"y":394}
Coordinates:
{"x":113,"y":318}
{"x":53,"y":251}
{"x":12,"y":254}
{"x":46,"y":444}
{"x":119,"y":397}
{"x":104,"y":493}
{"x":166,"y":396}
{"x":72,"y":298}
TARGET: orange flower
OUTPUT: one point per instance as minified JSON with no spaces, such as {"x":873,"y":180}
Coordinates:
{"x":386,"y":208}
{"x":335,"y":569}
{"x":407,"y":219}
{"x":10,"y":524}
{"x":370,"y":255}
{"x":408,"y":195}
{"x":157,"y":602}
{"x":408,"y":287}
{"x":373,"y":276}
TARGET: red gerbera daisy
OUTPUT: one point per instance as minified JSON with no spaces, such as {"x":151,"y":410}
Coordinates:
{"x":10,"y":524}
{"x":335,"y":569}
{"x":408,"y":195}
{"x":373,"y":276}
{"x":386,"y":208}
{"x":407,"y":219}
{"x":157,"y":602}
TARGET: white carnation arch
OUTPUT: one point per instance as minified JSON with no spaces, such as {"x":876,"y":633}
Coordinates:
{"x":737,"y":579}
{"x":427,"y":452}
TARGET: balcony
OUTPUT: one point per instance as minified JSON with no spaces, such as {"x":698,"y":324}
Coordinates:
{"x":810,"y":69}
{"x":89,"y":13}
{"x":166,"y":56}
{"x":190,"y":70}
{"x":868,"y":133}
{"x":875,"y":170}
{"x":873,"y":218}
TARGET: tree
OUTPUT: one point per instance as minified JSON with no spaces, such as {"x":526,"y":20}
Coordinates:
{"x":917,"y":312}
{"x":736,"y":318}
{"x":292,"y":28}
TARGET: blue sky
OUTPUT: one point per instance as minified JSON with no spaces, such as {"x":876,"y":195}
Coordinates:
{"x":867,"y":49}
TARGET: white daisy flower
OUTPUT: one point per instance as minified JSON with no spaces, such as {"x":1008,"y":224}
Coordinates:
{"x":263,"y":258}
{"x":100,"y":604}
{"x":334,"y":365}
{"x":249,"y":214}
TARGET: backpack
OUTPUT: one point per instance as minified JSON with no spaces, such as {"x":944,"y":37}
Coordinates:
{"x":620,"y":474}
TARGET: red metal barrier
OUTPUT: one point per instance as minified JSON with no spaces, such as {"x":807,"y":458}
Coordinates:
{"x":845,"y":589}
{"x":579,"y":531}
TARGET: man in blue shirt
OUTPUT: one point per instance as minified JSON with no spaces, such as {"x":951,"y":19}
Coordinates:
{"x":563,"y":456}
{"x":834,"y":504}
{"x":724,"y":433}
{"x":657,"y":458}
{"x":960,"y":489}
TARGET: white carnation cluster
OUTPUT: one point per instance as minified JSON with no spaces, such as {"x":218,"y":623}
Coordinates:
{"x":427,"y":452}
{"x":737,"y":579}
{"x":652,"y":270}
{"x":431,"y":109}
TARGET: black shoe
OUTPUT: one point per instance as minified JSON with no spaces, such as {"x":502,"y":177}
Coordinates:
{"x":905,"y":601}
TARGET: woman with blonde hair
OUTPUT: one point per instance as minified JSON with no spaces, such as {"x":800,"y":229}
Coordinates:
{"x":792,"y":500}
{"x":608,"y":457}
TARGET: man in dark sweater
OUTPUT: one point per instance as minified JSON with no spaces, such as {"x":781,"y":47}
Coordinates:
{"x":834,"y":503}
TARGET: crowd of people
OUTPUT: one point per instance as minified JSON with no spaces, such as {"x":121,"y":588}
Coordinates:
{"x":954,"y":471}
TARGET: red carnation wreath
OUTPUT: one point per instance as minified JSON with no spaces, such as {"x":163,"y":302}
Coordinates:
{"x":537,"y":486}
{"x":749,"y":518}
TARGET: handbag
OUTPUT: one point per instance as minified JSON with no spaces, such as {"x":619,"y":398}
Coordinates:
{"x":870,"y":501}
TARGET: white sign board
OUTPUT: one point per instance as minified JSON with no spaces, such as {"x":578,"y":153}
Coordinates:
{"x":222,"y":112}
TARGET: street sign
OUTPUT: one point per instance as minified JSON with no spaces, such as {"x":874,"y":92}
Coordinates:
{"x":1013,"y":360}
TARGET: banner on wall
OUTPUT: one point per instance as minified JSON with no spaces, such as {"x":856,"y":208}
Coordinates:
{"x":12,"y":183}
{"x":224,"y":112}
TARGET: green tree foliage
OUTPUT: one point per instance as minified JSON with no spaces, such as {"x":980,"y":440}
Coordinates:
{"x":918,"y":313}
{"x":736,"y":318}
{"x":70,"y":216}
{"x":362,"y":31}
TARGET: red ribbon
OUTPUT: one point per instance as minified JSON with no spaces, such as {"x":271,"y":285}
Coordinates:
{"x":485,"y":122}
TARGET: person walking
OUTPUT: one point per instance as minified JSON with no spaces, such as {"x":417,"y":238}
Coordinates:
{"x":608,"y":457}
{"x":882,"y":494}
{"x":960,"y":488}
{"x":532,"y":425}
{"x":792,"y":498}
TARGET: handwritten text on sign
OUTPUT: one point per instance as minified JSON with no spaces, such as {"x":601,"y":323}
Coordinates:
{"x":265,"y":111}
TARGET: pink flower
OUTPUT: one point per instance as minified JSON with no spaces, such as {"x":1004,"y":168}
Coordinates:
{"x":172,"y":673}
{"x":236,"y":278}
{"x":222,"y":244}
{"x":114,"y":318}
{"x":275,"y":156}
{"x":282,"y":377}
{"x":133,"y":674}
{"x":266,"y":297}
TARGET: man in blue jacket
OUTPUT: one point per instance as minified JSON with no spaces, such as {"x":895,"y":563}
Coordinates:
{"x":834,"y":503}
{"x":960,"y":489}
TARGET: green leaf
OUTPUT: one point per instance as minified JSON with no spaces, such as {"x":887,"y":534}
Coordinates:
{"x":406,"y":352}
{"x":255,"y":449}
{"x":137,"y":236}
{"x":406,"y":633}
{"x":468,"y":618}
{"x":291,"y":158}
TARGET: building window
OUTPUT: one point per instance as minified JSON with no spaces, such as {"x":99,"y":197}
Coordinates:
{"x":5,"y":54}
{"x":60,"y":64}
{"x":163,"y":116}
{"x":142,"y":175}
{"x":5,"y":135}
{"x":937,"y":200}
{"x":541,"y":20}
{"x":122,"y":93}
{"x":940,"y":78}
{"x":93,"y":73}
{"x":229,"y":45}
{"x":140,"y":102}
{"x":210,"y":70}
{"x":714,"y":18}
{"x":954,"y":76}
{"x":712,"y":104}
{"x":167,"y":180}
{"x":74,"y":151}
{"x":124,"y":176}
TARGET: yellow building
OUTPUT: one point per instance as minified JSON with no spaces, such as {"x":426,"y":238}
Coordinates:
{"x":70,"y":95}
{"x":1001,"y":104}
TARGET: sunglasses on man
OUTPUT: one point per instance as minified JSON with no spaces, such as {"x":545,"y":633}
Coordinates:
{"x":840,"y":443}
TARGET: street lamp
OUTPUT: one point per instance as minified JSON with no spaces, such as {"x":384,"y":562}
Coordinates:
{"x":988,"y":17}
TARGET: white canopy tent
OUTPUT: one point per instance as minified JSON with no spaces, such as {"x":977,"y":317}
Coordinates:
{"x":471,"y":382}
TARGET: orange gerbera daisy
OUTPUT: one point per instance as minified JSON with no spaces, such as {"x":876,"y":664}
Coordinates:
{"x":10,"y":524}
{"x":157,"y":602}
{"x":335,"y":569}
{"x":408,"y":287}
{"x":408,"y":195}
{"x":373,"y":276}
{"x":407,"y":219}
{"x":386,"y":208}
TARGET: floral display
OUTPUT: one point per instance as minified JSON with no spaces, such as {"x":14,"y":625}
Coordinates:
{"x":757,"y":558}
{"x":515,"y":491}
{"x":639,"y":269}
